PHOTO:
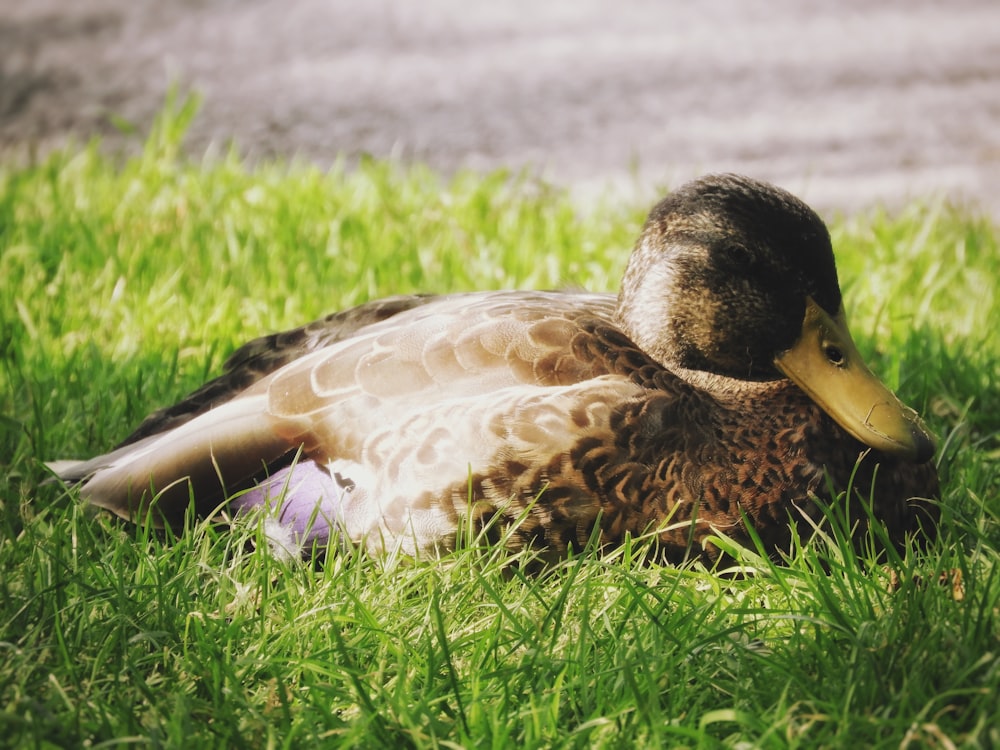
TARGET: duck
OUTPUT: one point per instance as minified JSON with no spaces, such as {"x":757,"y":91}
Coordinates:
{"x":718,"y":395}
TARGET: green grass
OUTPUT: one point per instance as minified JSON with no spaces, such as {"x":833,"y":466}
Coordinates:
{"x":124,"y":284}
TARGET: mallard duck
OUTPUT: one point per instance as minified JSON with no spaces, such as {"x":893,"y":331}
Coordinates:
{"x":720,"y":390}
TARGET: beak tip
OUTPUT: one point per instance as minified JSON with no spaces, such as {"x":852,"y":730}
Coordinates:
{"x":923,"y":443}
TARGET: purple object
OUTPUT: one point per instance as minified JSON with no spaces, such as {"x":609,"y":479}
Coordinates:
{"x":303,"y":498}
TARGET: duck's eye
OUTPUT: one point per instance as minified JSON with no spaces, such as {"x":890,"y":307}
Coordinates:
{"x":834,"y":355}
{"x":736,"y":256}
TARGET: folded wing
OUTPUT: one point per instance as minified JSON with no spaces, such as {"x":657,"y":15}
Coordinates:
{"x":399,"y":411}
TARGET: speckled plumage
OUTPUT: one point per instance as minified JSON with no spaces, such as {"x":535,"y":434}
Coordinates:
{"x":661,"y":411}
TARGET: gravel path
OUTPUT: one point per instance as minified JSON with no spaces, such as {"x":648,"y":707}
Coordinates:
{"x":845,"y":103}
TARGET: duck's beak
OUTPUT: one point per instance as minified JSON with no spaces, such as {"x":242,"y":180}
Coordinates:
{"x":825,"y":363}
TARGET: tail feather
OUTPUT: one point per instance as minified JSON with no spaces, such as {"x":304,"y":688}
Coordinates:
{"x":217,"y":450}
{"x":66,"y":469}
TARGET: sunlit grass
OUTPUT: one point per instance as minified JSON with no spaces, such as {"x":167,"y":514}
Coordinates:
{"x":123,"y":285}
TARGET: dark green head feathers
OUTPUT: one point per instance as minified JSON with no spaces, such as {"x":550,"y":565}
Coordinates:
{"x":720,"y":276}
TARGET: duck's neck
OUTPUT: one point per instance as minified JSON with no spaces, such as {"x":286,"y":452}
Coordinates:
{"x":723,"y":385}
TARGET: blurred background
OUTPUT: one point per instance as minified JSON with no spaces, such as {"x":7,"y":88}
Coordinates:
{"x":848,"y":104}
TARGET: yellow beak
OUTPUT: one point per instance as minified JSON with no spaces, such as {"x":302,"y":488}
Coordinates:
{"x":825,"y":363}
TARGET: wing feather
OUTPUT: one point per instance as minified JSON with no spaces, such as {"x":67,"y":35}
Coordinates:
{"x":214,"y":451}
{"x":409,"y":404}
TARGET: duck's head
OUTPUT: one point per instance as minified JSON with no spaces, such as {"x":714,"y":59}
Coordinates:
{"x":736,"y":277}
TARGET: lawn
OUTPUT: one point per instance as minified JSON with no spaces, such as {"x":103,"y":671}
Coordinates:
{"x":124,"y":283}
